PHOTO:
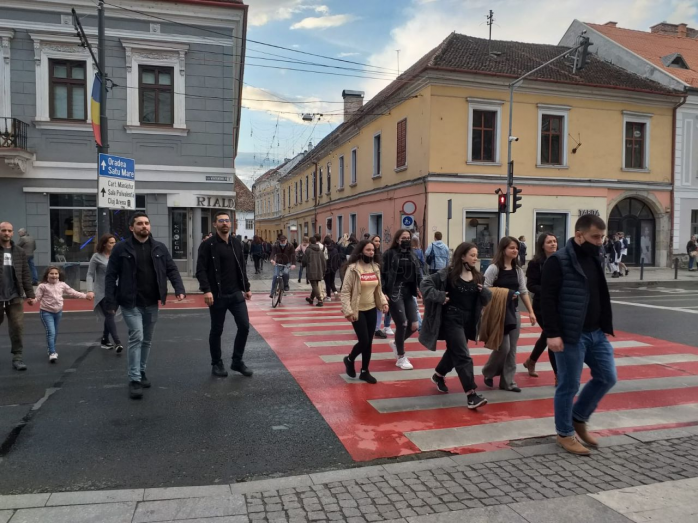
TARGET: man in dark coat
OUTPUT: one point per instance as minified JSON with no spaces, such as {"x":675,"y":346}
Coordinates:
{"x":314,"y":261}
{"x":282,"y":253}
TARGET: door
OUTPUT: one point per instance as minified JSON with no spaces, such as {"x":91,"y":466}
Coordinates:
{"x":205,"y":223}
{"x":375,"y":225}
{"x":634,"y":218}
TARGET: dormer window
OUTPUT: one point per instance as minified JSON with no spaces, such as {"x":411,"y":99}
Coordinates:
{"x":675,"y":60}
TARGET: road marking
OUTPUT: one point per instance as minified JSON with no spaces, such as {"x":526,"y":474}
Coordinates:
{"x":661,"y":307}
{"x":324,"y":324}
{"x":439,"y":439}
{"x":351,"y":331}
{"x":421,"y":374}
{"x":447,"y":401}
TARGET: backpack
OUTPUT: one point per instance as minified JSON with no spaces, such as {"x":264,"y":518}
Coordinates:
{"x":335,"y":262}
{"x":299,"y":256}
{"x":431,"y":257}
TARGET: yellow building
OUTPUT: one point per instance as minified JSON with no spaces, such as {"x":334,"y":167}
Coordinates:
{"x":598,"y":140}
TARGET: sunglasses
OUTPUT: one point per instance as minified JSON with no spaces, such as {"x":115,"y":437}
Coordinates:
{"x":223,"y":220}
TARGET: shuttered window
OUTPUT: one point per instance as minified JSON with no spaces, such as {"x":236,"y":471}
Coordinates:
{"x":401,"y":160}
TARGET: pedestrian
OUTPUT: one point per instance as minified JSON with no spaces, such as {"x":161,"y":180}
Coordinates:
{"x":504,"y":272}
{"x":416,"y":248}
{"x":453,"y":302}
{"x":49,"y":295}
{"x":625,"y":243}
{"x":618,"y":255}
{"x":136,"y":280}
{"x":351,"y":245}
{"x":257,"y":252}
{"x":315,"y":264}
{"x":361,"y":298}
{"x":246,"y":249}
{"x":577,"y":316}
{"x":401,"y":279}
{"x":608,"y":255}
{"x":692,"y":250}
{"x":223,"y":279}
{"x":367,"y":236}
{"x":437,"y":254}
{"x":380,"y":333}
{"x":15,"y":283}
{"x":523,"y":250}
{"x":294,"y":243}
{"x":96,"y":276}
{"x":27,"y":242}
{"x":300,"y":252}
{"x":334,"y":262}
{"x":546,"y":246}
{"x":267,"y":250}
{"x":282,"y":253}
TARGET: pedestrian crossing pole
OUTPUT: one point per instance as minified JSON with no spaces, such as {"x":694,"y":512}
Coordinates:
{"x":448,"y":223}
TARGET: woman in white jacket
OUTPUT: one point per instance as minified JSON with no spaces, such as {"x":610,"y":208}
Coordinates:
{"x":96,"y":274}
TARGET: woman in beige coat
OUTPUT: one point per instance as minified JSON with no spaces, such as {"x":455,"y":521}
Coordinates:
{"x":361,"y":295}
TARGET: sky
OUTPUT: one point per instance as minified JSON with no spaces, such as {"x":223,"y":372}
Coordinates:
{"x":369,"y":33}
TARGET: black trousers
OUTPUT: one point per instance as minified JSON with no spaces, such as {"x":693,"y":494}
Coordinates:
{"x":403,"y":310}
{"x":109,"y":324}
{"x":364,"y":328}
{"x":539,"y":348}
{"x":457,"y":355}
{"x":238,"y":308}
{"x":257,"y":262}
{"x":330,"y":286}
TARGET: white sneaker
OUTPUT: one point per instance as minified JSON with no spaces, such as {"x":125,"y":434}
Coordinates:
{"x":404,"y":363}
{"x":53,"y":358}
{"x":389,"y":331}
{"x":394,"y":347}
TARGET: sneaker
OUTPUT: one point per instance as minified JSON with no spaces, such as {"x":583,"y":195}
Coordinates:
{"x":514,"y":388}
{"x":349,"y":367}
{"x":571,"y":445}
{"x":309,"y":300}
{"x":440,"y":383}
{"x":320,"y":304}
{"x":271,"y":296}
{"x":106,"y":345}
{"x":380,"y":334}
{"x":475,"y":401}
{"x":19,"y":365}
{"x":394,"y":347}
{"x":219,"y":371}
{"x":489,"y":382}
{"x":242,"y":369}
{"x":145,"y":382}
{"x":404,"y":363}
{"x":118,"y":348}
{"x":135,"y":390}
{"x":53,"y":357}
{"x":389,"y":331}
{"x":286,"y":289}
{"x":366,"y":376}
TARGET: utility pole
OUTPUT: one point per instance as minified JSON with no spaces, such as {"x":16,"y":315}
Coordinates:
{"x":490,"y":21}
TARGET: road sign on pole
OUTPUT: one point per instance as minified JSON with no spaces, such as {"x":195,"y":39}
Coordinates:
{"x":117,"y":182}
{"x":408,"y":222}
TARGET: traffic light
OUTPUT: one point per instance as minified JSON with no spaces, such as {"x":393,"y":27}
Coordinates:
{"x":585,"y":52}
{"x":502,"y":200}
{"x":515,"y":198}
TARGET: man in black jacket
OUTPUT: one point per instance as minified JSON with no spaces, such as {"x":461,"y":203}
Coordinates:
{"x":136,"y":280}
{"x":223,"y":279}
{"x":282,"y":253}
{"x":577,"y":310}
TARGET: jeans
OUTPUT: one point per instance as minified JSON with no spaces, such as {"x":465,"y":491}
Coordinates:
{"x":364,"y":328}
{"x":691,"y":262}
{"x":238,"y":308}
{"x":300,"y":272}
{"x":15,"y":319}
{"x":419,"y":316}
{"x":403,"y":309}
{"x":277,"y":271}
{"x":457,"y":354}
{"x":50,"y":321}
{"x":330,"y":286}
{"x":380,"y":319}
{"x":32,"y":268}
{"x":109,"y":324}
{"x":141,"y":324}
{"x":502,"y":362}
{"x":594,"y":349}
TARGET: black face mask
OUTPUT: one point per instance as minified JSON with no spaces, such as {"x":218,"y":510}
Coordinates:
{"x":467,"y":266}
{"x":366,"y":258}
{"x":590,"y":249}
{"x":405,"y":244}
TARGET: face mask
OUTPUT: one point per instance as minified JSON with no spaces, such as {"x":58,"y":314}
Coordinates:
{"x":467,"y":266}
{"x":366,"y":258}
{"x":283,"y":244}
{"x":405,"y":244}
{"x":590,"y":249}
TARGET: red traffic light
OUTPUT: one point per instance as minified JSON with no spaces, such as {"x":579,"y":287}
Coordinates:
{"x":502,"y":202}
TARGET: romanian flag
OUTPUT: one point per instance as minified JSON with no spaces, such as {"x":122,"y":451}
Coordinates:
{"x":95,"y":107}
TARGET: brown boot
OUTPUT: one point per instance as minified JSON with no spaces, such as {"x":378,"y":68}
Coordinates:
{"x":530,"y":366}
{"x":571,"y":445}
{"x":581,"y":430}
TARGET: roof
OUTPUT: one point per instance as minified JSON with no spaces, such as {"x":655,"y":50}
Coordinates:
{"x":652,"y":47}
{"x":244,"y":199}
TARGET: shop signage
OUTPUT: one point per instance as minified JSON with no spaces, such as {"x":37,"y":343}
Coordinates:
{"x":218,"y":179}
{"x":593,"y":212}
{"x":117,"y":182}
{"x":215,"y":201}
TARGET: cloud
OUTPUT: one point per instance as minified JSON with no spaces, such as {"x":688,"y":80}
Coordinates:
{"x":344,"y":55}
{"x":265,"y":11}
{"x":289,"y":108}
{"x":323,"y":22}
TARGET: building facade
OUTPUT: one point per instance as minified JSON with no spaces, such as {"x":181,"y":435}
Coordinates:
{"x":668,"y":54}
{"x":174,"y":107}
{"x":595,"y":141}
{"x":244,"y":210}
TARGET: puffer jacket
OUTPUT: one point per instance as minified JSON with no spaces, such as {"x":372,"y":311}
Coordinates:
{"x":23,"y":278}
{"x":314,"y":261}
{"x":351,"y":290}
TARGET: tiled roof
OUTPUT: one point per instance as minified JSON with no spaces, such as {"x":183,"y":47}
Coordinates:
{"x":652,"y":47}
{"x":244,"y":199}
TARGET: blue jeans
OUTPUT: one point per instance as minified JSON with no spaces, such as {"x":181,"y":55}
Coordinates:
{"x":594,"y":349}
{"x":141,"y":324}
{"x":419,"y":315}
{"x":300,"y":272}
{"x":691,"y":262}
{"x":379,"y":319}
{"x":277,"y":271}
{"x":50,"y":321}
{"x":32,"y":268}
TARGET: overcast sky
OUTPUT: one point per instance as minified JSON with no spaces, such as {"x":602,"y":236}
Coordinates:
{"x":370,"y":32}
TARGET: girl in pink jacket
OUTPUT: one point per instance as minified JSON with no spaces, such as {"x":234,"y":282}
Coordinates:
{"x":49,"y":294}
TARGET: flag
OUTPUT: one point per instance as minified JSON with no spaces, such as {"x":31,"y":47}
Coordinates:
{"x":96,"y":106}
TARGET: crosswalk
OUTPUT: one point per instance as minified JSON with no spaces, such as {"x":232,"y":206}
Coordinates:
{"x":404,"y":413}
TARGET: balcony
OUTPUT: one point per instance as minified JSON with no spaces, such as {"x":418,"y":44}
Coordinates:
{"x":13,"y":143}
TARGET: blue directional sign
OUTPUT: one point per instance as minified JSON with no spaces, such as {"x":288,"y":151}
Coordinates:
{"x":407,"y":222}
{"x":117,"y":167}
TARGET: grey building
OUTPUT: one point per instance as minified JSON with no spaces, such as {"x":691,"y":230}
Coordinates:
{"x":174,"y":108}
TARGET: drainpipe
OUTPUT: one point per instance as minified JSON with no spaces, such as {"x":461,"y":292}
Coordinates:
{"x":673,"y":174}
{"x":316,"y":190}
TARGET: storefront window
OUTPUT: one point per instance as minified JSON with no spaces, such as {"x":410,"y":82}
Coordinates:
{"x":482,"y":229}
{"x":553,"y":223}
{"x":120,"y":219}
{"x":179,"y":234}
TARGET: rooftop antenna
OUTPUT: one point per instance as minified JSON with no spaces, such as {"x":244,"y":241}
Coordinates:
{"x":490,"y":21}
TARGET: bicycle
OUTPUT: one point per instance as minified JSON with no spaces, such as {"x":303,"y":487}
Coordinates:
{"x":279,"y":287}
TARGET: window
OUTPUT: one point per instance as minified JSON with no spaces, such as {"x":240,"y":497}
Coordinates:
{"x":482,"y":229}
{"x":634,"y":145}
{"x":67,"y":86}
{"x":375,"y":224}
{"x":180,"y":220}
{"x":320,"y":181}
{"x":301,"y":191}
{"x":306,"y":187}
{"x":296,"y":193}
{"x":554,"y":223}
{"x":340,"y":226}
{"x":377,"y":155}
{"x":340,"y":185}
{"x":483,"y":136}
{"x":284,"y":198}
{"x":156,"y":95}
{"x":249,"y":224}
{"x":551,"y":140}
{"x":401,"y":160}
{"x":289,"y":196}
{"x":484,"y":130}
{"x":352,"y":223}
{"x":353,"y":167}
{"x":329,"y":178}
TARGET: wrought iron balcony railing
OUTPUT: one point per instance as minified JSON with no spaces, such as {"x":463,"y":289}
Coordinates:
{"x":13,"y":133}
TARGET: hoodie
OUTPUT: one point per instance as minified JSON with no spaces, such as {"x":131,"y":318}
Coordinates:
{"x":441,"y":255}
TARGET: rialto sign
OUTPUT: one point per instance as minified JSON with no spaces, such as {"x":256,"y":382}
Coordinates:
{"x":219,"y":202}
{"x":222,"y":200}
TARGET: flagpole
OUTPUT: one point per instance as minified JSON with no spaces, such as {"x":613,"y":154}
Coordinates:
{"x":103,"y":221}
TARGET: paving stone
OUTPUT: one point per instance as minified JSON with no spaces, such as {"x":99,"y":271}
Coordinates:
{"x":316,"y":515}
{"x":351,"y":512}
{"x":164,"y":510}
{"x":373,"y":517}
{"x":356,"y":519}
{"x":335,"y":516}
{"x":258,"y":516}
{"x":102,"y":513}
{"x":275,"y":516}
{"x":93,"y":497}
{"x":5,"y":515}
{"x":23,"y":501}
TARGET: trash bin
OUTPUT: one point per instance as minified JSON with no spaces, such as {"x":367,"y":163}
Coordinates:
{"x":72,"y":274}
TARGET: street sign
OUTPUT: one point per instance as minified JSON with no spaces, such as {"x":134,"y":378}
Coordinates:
{"x":409,"y":207}
{"x":117,"y":182}
{"x":407,"y":222}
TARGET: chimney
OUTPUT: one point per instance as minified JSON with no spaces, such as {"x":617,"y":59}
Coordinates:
{"x":353,"y":101}
{"x":611,"y":24}
{"x":682,"y":30}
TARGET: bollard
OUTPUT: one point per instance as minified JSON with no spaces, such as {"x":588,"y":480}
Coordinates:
{"x":642,"y":269}
{"x":676,"y":268}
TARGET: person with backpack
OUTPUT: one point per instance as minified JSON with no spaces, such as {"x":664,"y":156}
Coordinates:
{"x":246,"y":249}
{"x":300,"y":252}
{"x":349,"y":249}
{"x":257,"y":252}
{"x":334,"y":262}
{"x":437,"y":254}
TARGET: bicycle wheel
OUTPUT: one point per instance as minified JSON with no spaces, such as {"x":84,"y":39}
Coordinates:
{"x":278,"y":292}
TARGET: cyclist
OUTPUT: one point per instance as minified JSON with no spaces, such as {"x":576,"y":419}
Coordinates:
{"x":281,"y":253}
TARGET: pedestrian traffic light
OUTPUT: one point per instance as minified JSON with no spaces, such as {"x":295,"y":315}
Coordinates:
{"x":502,"y":199}
{"x":515,"y":198}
